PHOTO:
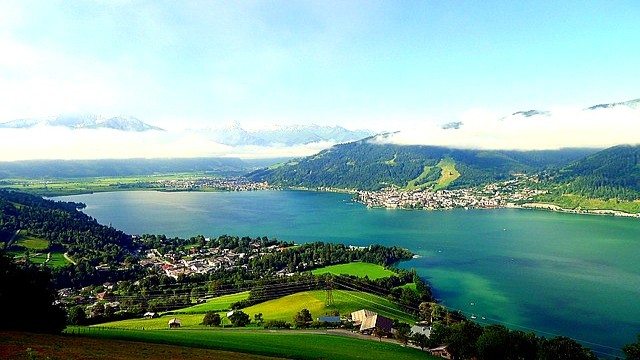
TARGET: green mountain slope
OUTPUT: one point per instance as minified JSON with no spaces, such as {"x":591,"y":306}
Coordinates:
{"x":613,"y":173}
{"x":370,"y":165}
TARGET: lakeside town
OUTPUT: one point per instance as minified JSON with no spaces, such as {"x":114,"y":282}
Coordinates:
{"x":210,"y":183}
{"x":495,"y":195}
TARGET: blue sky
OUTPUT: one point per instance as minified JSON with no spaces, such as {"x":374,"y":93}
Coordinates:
{"x":354,"y":63}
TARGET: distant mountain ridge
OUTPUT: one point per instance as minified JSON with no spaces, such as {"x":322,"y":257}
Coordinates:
{"x":84,"y":121}
{"x":235,"y":135}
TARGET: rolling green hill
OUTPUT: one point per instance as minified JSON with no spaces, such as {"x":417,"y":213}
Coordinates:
{"x":370,"y":164}
{"x":607,"y":174}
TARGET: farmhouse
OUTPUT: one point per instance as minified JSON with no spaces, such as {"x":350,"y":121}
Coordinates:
{"x":420,"y":329}
{"x":442,"y":352}
{"x":357,"y":317}
{"x":329,"y":319}
{"x":174,"y":323}
{"x":369,"y":321}
{"x":150,"y":315}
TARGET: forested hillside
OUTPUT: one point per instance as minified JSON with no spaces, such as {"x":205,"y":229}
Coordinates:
{"x":370,"y":165}
{"x":608,"y":174}
{"x":63,"y":226}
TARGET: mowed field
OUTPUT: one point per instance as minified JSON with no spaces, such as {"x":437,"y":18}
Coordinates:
{"x":288,"y":343}
{"x":283,"y":308}
{"x":359,"y":269}
{"x":38,"y":250}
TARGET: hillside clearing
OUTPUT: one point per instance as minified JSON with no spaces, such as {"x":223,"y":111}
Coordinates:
{"x":449,"y":173}
{"x":359,"y":269}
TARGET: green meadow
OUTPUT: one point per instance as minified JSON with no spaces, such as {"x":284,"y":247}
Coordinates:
{"x":359,"y":269}
{"x":31,"y":242}
{"x":289,"y":343}
{"x":220,"y":303}
{"x":283,"y":308}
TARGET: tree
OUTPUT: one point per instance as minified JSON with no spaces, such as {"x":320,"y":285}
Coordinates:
{"x":211,"y":319}
{"x":258,"y":319}
{"x":26,"y":297}
{"x":302,"y":318}
{"x":403,"y":335}
{"x":239,"y":319}
{"x":462,"y":339}
{"x":494,"y":342}
{"x":632,"y":351}
{"x":76,"y":316}
{"x":420,"y":340}
{"x":562,"y":347}
{"x":379,"y":332}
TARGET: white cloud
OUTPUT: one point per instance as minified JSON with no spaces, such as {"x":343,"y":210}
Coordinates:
{"x":561,"y":128}
{"x":46,"y":142}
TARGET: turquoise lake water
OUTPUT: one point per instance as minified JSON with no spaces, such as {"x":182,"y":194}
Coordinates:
{"x":575,"y":275}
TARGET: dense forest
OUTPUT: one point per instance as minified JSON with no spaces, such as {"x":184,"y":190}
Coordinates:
{"x":611,"y":173}
{"x":66,"y":228}
{"x":371,"y":165}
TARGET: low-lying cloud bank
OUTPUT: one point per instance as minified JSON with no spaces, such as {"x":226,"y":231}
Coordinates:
{"x":554,"y":129}
{"x":48,"y":142}
{"x":528,"y":130}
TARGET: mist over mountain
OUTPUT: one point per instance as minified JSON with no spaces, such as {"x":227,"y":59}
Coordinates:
{"x":598,"y":126}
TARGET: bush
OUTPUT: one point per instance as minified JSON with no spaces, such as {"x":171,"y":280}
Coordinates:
{"x":277,"y":324}
{"x":211,"y":319}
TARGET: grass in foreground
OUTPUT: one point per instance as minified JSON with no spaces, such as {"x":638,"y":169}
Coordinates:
{"x":289,"y":344}
{"x":359,"y":269}
{"x":27,"y":346}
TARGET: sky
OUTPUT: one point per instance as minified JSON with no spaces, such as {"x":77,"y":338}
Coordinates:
{"x":379,"y":65}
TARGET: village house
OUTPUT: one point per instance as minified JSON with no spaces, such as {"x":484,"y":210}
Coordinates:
{"x":369,"y":321}
{"x":441,"y":351}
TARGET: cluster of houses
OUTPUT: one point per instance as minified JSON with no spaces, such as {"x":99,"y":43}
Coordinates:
{"x":490,"y":196}
{"x":225,"y":184}
{"x":203,"y":260}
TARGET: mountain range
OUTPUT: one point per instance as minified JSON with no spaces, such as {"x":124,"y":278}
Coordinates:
{"x":288,"y":135}
{"x":84,"y":121}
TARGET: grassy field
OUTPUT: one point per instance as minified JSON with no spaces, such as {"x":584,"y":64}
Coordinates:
{"x":220,"y":303}
{"x":31,"y":242}
{"x":411,"y":185}
{"x":289,"y":344}
{"x":58,"y":187}
{"x":345,"y":302}
{"x":28,"y":346}
{"x":359,"y":269}
{"x":283,"y":308}
{"x":449,"y":173}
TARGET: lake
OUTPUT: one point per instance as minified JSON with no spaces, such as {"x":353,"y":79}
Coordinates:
{"x":552,"y":273}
